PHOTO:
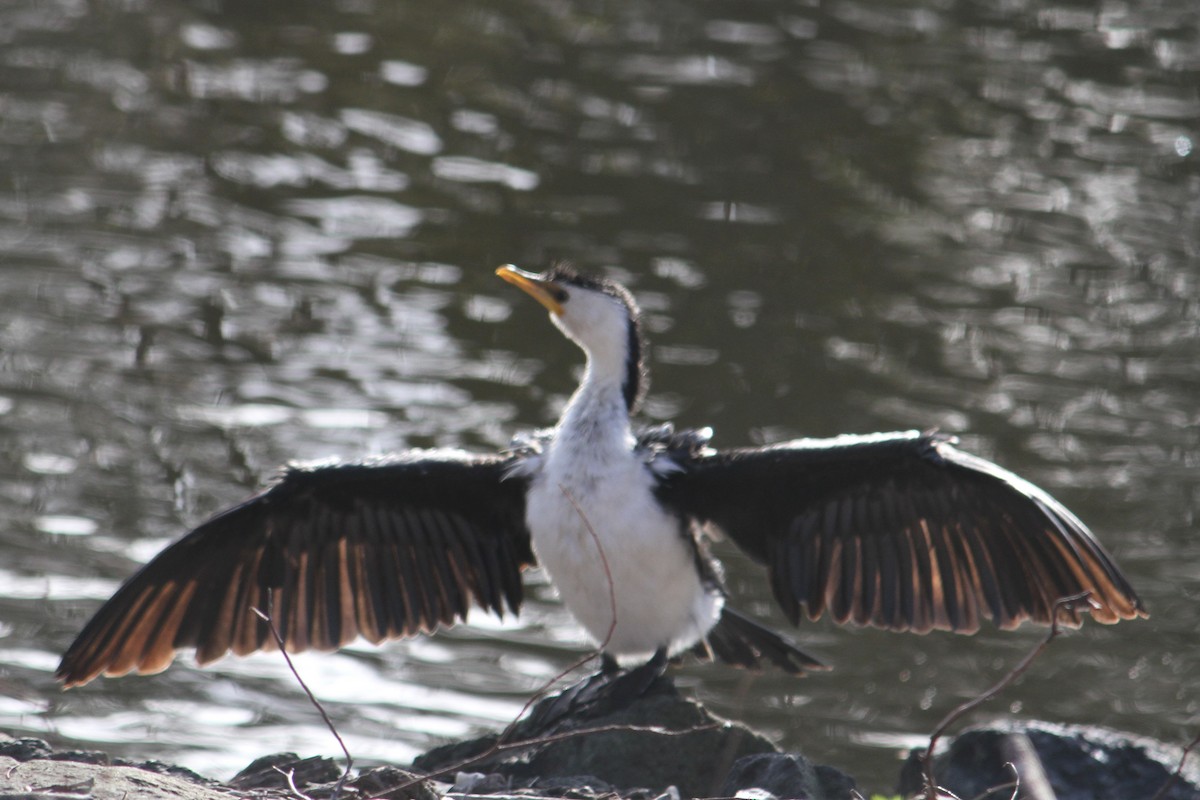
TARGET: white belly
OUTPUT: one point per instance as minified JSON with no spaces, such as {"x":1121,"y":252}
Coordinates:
{"x":651,"y":580}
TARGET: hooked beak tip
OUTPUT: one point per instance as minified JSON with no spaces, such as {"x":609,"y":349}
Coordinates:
{"x":533,"y":285}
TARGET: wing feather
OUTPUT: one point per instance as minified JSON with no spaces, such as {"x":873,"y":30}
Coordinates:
{"x":381,"y":549}
{"x":900,"y":531}
{"x":368,"y":592}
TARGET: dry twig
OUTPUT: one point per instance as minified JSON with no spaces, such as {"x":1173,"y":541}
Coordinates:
{"x":975,"y":702}
{"x":599,"y":649}
{"x":502,"y":745}
{"x":337,"y":788}
{"x":290,"y":776}
{"x":1162,"y":791}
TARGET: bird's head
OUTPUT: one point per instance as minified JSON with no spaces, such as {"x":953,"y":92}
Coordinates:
{"x":598,"y":314}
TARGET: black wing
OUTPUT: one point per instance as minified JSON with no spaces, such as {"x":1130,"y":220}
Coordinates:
{"x":380,"y":549}
{"x":899,"y":531}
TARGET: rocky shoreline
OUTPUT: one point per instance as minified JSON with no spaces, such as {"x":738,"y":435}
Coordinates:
{"x":662,"y":746}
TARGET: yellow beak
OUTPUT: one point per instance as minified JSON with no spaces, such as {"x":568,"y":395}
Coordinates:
{"x":533,"y":285}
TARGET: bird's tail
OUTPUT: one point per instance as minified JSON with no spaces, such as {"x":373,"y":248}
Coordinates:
{"x":738,"y":640}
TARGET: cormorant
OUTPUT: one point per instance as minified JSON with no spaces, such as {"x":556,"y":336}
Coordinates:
{"x":902,"y":531}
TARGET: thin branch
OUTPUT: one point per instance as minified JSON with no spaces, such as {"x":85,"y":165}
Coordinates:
{"x":1162,"y":791}
{"x":337,"y":788}
{"x":975,"y":702}
{"x":551,"y":738}
{"x":599,"y":649}
{"x":290,"y":775}
{"x":612,"y":589}
{"x":1014,"y":784}
{"x":538,"y":695}
{"x":622,"y":727}
{"x":501,"y":744}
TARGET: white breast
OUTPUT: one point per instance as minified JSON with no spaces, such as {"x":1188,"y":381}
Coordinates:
{"x":586,"y":501}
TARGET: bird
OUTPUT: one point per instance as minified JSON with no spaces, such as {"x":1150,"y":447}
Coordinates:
{"x":903,"y":531}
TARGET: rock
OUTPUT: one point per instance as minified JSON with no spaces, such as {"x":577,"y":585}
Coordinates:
{"x":40,"y":778}
{"x":24,"y":749}
{"x":82,"y":756}
{"x":658,"y":740}
{"x":41,"y":774}
{"x":671,"y":747}
{"x":29,"y":768}
{"x":392,"y":783}
{"x":271,"y":772}
{"x":576,"y":787}
{"x":786,"y":776}
{"x":163,"y":768}
{"x":1078,"y":762}
{"x":480,"y":783}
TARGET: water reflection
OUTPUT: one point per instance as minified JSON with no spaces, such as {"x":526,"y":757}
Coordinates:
{"x":234,"y":236}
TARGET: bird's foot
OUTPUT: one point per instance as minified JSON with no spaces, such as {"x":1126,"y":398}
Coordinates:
{"x":626,"y":686}
{"x":609,"y":690}
{"x":608,"y":665}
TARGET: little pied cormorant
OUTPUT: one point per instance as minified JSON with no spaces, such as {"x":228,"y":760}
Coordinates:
{"x":896,"y":530}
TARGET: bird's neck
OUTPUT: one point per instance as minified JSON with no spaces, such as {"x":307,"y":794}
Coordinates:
{"x":597,"y":417}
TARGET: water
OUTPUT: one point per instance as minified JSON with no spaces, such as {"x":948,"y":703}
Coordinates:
{"x":231,"y":236}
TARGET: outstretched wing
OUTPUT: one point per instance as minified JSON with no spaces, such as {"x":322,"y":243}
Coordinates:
{"x":900,"y":531}
{"x":380,"y":549}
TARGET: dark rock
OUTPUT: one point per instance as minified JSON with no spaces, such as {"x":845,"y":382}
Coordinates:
{"x":1079,"y":763}
{"x":577,"y":787}
{"x":392,"y":783}
{"x":24,"y":749}
{"x":834,"y":782}
{"x":471,"y":754}
{"x":787,"y":776}
{"x":271,"y":772}
{"x":658,"y":740}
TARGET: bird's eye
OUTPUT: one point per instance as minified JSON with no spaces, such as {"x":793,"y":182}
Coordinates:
{"x":560,"y":295}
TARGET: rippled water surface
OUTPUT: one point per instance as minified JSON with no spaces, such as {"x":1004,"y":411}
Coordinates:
{"x":237,"y":233}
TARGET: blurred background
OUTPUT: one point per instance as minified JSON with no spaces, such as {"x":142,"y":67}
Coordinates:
{"x":237,"y":233}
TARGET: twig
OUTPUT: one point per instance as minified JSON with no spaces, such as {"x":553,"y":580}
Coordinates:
{"x":1162,"y":791}
{"x":599,"y":650}
{"x":1014,"y":784}
{"x":539,"y":694}
{"x":501,"y":744}
{"x":612,"y":589}
{"x":290,"y":775}
{"x":622,"y":727}
{"x":975,"y":702}
{"x":550,"y":738}
{"x":337,"y":787}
